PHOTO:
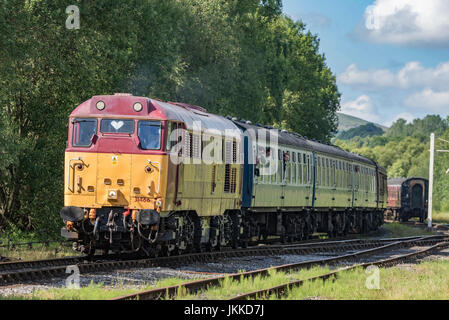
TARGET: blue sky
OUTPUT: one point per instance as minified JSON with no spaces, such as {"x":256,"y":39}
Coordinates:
{"x":391,"y":57}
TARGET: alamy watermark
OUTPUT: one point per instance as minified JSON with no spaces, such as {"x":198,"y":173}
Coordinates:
{"x":212,"y":146}
{"x":73,"y":20}
{"x":73,"y":281}
{"x":372,"y":18}
{"x":373,"y":280}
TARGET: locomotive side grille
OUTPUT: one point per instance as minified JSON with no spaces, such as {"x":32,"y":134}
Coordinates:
{"x":214,"y":169}
{"x":227,"y":182}
{"x":233,"y":182}
{"x":228,"y":151}
{"x":230,"y":183}
{"x":234,"y":151}
{"x":187,"y":144}
{"x":196,"y":146}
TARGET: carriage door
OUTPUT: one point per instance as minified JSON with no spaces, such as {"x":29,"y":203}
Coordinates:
{"x":417,"y":196}
{"x":309,"y":181}
{"x":248,"y":172}
{"x":358,"y":195}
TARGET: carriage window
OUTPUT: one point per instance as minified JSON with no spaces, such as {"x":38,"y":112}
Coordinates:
{"x":150,"y":135}
{"x":83,"y":131}
{"x":309,"y":171}
{"x":294,"y":169}
{"x":117,"y":126}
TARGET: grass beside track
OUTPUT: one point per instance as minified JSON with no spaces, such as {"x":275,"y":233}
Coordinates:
{"x":424,"y":281}
{"x":440,"y":217}
{"x":39,"y":251}
{"x":397,"y":230}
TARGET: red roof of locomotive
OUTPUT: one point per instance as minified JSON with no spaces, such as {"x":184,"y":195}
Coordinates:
{"x":121,"y":106}
{"x":117,"y":105}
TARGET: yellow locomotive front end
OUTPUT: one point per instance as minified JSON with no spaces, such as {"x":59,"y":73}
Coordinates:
{"x":115,"y":175}
{"x":96,"y":180}
{"x":135,"y":180}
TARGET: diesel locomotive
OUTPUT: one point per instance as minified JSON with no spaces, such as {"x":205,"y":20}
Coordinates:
{"x":163,"y":178}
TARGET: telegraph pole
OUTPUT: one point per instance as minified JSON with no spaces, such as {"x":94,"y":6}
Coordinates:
{"x":432,"y":152}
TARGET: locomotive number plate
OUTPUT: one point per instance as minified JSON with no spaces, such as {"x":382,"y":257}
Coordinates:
{"x":142,"y":199}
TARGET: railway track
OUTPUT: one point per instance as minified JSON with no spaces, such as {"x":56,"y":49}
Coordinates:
{"x":198,"y":285}
{"x":29,"y":271}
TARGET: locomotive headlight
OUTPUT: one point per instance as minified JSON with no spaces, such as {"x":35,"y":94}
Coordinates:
{"x":101,"y":105}
{"x":158,"y":203}
{"x":137,"y":107}
{"x":112,"y":194}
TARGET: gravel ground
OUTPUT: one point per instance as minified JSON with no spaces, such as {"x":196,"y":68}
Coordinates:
{"x":233,"y":265}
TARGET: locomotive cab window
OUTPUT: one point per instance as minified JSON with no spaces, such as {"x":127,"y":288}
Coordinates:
{"x":150,"y":135}
{"x":83,"y":131}
{"x":117,"y":126}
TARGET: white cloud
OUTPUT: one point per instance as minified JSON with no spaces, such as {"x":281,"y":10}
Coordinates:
{"x":412,"y":75}
{"x":362,"y":107}
{"x":437,"y":101}
{"x":372,"y":78}
{"x":407,"y":22}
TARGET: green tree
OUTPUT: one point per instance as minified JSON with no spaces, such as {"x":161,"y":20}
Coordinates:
{"x":238,"y":57}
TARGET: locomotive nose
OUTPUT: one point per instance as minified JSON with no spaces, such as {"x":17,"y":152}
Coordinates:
{"x":114,"y":179}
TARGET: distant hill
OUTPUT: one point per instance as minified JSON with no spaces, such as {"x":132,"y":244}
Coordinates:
{"x":346,"y":122}
{"x":366,"y":130}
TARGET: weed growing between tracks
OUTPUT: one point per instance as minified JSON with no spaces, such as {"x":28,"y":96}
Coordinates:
{"x":230,"y":288}
{"x":424,"y":281}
